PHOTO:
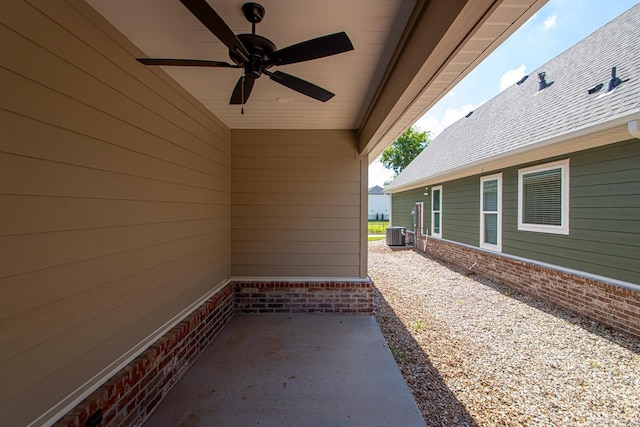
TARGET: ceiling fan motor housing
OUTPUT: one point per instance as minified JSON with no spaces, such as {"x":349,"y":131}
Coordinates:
{"x":259,"y":47}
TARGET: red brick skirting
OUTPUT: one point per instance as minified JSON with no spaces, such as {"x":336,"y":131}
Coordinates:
{"x":608,"y":304}
{"x":133,"y":393}
{"x":304,"y":297}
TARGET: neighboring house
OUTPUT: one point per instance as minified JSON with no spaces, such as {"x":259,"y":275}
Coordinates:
{"x":379,"y":204}
{"x":539,"y":187}
{"x":139,"y":210}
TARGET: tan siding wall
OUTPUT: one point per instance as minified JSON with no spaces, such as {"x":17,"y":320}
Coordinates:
{"x":114,"y":201}
{"x":296,"y":204}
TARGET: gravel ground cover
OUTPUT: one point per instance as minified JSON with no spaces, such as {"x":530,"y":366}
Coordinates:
{"x":475,"y":353}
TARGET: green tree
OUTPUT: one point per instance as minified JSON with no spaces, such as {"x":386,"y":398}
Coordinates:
{"x":404,"y":149}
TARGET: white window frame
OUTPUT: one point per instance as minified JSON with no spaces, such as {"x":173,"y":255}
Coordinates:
{"x":433,"y":233}
{"x":563,"y":228}
{"x":483,"y":244}
{"x":420,"y":225}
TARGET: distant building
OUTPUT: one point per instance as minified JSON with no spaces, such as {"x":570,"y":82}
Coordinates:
{"x":379,"y":204}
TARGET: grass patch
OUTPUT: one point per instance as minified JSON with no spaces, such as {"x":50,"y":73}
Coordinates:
{"x":595,"y":364}
{"x":399,"y":355}
{"x":374,"y":238}
{"x":420,"y":326}
{"x":378,"y":227}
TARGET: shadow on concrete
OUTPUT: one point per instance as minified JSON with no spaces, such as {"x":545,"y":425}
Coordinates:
{"x":438,"y":404}
{"x":614,"y":336}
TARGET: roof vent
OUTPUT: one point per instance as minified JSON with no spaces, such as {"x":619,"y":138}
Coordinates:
{"x":595,"y":89}
{"x":468,"y":114}
{"x":542,"y":78}
{"x":615,"y":80}
{"x":522,"y":80}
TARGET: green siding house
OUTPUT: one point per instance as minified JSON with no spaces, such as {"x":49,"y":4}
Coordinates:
{"x":539,"y":188}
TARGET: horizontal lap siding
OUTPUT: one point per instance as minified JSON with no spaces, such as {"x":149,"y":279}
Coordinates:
{"x":402,"y":205}
{"x":604,"y":219}
{"x":460,"y":210}
{"x":296,"y":203}
{"x":114,"y":195}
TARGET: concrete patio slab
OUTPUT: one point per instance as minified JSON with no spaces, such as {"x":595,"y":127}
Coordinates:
{"x":299,"y":370}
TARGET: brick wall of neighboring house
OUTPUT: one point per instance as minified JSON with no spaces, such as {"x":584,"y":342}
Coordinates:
{"x":304,"y":297}
{"x":133,"y":393}
{"x":606,"y":303}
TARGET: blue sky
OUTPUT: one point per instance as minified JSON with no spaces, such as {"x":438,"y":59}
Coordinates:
{"x":556,"y":27}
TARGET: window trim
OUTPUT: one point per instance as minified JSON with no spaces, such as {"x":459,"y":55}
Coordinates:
{"x":563,"y":165}
{"x":420,"y":219}
{"x":433,"y":233}
{"x":483,"y":244}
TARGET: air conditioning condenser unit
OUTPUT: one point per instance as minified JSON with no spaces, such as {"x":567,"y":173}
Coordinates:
{"x":395,"y":236}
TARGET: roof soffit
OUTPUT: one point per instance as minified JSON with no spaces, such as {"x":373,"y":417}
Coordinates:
{"x":423,"y":73}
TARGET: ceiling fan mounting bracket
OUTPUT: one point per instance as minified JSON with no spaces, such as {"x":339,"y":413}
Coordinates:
{"x":253,"y":12}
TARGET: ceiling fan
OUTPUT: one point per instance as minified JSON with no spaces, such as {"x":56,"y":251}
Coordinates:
{"x":255,"y":54}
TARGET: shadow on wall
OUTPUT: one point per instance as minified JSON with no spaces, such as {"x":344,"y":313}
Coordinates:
{"x":438,"y":404}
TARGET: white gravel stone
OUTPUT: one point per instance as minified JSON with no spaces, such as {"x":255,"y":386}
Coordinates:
{"x":477,"y":353}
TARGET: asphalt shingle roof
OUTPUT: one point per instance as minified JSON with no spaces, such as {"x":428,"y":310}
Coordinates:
{"x":377,"y":190}
{"x":521,"y":115}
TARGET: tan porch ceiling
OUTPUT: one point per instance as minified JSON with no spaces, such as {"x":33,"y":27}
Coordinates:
{"x":407,"y":55}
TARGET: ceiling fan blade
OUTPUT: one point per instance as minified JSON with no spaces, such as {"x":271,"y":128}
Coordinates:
{"x":210,"y":19}
{"x":239,"y":91}
{"x":331,"y":44}
{"x":299,"y":85}
{"x":185,"y":62}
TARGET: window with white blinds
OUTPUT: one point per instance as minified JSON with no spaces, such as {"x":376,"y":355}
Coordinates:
{"x":491,"y":212}
{"x":543,"y":198}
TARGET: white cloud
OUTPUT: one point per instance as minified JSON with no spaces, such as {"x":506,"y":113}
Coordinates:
{"x":512,"y":76}
{"x":550,"y":22}
{"x":451,"y":115}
